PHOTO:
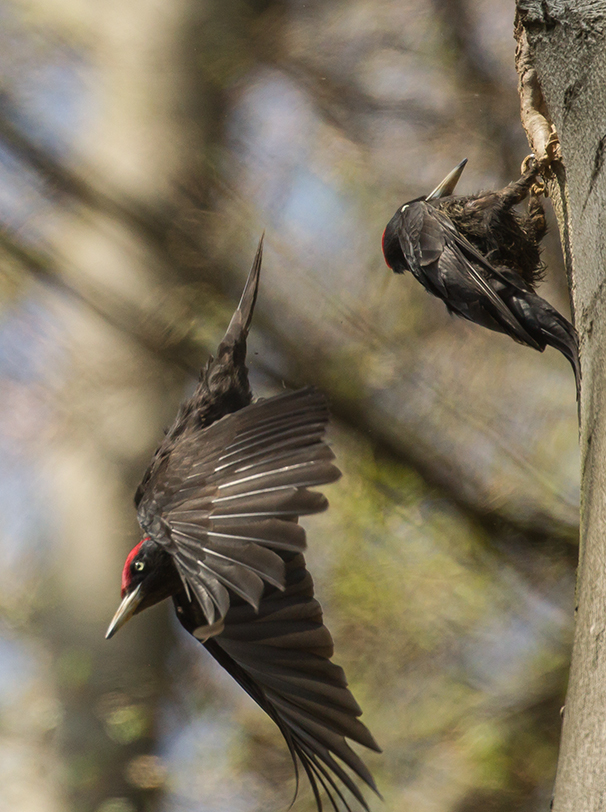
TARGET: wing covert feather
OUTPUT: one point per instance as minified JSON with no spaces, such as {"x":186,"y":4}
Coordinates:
{"x":446,"y":263}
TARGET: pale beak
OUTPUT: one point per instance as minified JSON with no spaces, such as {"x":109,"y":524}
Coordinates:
{"x":447,"y":186}
{"x":126,"y":610}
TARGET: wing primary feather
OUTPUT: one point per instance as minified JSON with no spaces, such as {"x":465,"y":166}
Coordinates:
{"x":291,"y":546}
{"x":259,"y":437}
{"x":253,"y":596}
{"x":261,"y":491}
{"x":278,"y":458}
{"x":265,"y":451}
{"x":263,"y":418}
{"x":276,"y":413}
{"x":294,"y":419}
{"x":251,"y":514}
{"x":317,"y":468}
{"x":260,"y":573}
{"x":250,"y":494}
{"x":211,"y":594}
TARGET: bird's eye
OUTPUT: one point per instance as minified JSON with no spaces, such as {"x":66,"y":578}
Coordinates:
{"x":139,"y":565}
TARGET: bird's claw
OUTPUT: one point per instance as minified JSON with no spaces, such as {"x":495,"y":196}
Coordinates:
{"x":540,"y":169}
{"x":553,"y":151}
{"x":529,"y":164}
{"x":542,"y":166}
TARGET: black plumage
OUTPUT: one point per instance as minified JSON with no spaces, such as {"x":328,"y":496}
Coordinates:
{"x":482,"y":258}
{"x":219,"y":506}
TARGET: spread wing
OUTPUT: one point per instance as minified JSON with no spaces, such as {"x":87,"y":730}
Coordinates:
{"x":451,"y":268}
{"x":280,"y":655}
{"x":225,"y":501}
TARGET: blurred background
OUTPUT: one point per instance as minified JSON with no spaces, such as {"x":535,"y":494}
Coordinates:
{"x":144,"y":146}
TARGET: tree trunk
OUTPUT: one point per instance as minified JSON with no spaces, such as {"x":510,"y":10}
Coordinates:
{"x":112,"y":409}
{"x":562,"y":66}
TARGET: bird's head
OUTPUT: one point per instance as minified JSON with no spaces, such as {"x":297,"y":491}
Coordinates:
{"x":390,"y":243}
{"x":149,"y":576}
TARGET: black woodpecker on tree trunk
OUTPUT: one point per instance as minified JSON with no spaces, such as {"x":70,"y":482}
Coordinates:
{"x":219,"y":506}
{"x":482,"y":258}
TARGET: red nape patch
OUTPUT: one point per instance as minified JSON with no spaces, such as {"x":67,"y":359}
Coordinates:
{"x":126,"y":571}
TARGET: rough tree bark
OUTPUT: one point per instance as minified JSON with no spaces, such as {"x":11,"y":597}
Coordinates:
{"x":562,"y":67}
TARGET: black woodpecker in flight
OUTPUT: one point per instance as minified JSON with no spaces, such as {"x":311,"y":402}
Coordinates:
{"x":482,"y":258}
{"x":218,"y":507}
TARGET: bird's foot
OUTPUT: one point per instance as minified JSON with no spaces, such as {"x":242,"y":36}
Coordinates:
{"x":551,"y":152}
{"x":531,"y":166}
{"x":539,"y":189}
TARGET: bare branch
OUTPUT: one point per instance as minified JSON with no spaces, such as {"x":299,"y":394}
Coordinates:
{"x":540,"y":132}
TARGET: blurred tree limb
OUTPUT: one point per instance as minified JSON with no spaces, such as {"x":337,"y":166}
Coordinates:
{"x":157,"y":225}
{"x":562,"y":63}
{"x":157,"y":336}
{"x":474,"y":76}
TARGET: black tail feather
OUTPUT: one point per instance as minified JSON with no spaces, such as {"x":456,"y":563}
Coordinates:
{"x":549,"y":328}
{"x":562,"y":336}
{"x":241,"y":320}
